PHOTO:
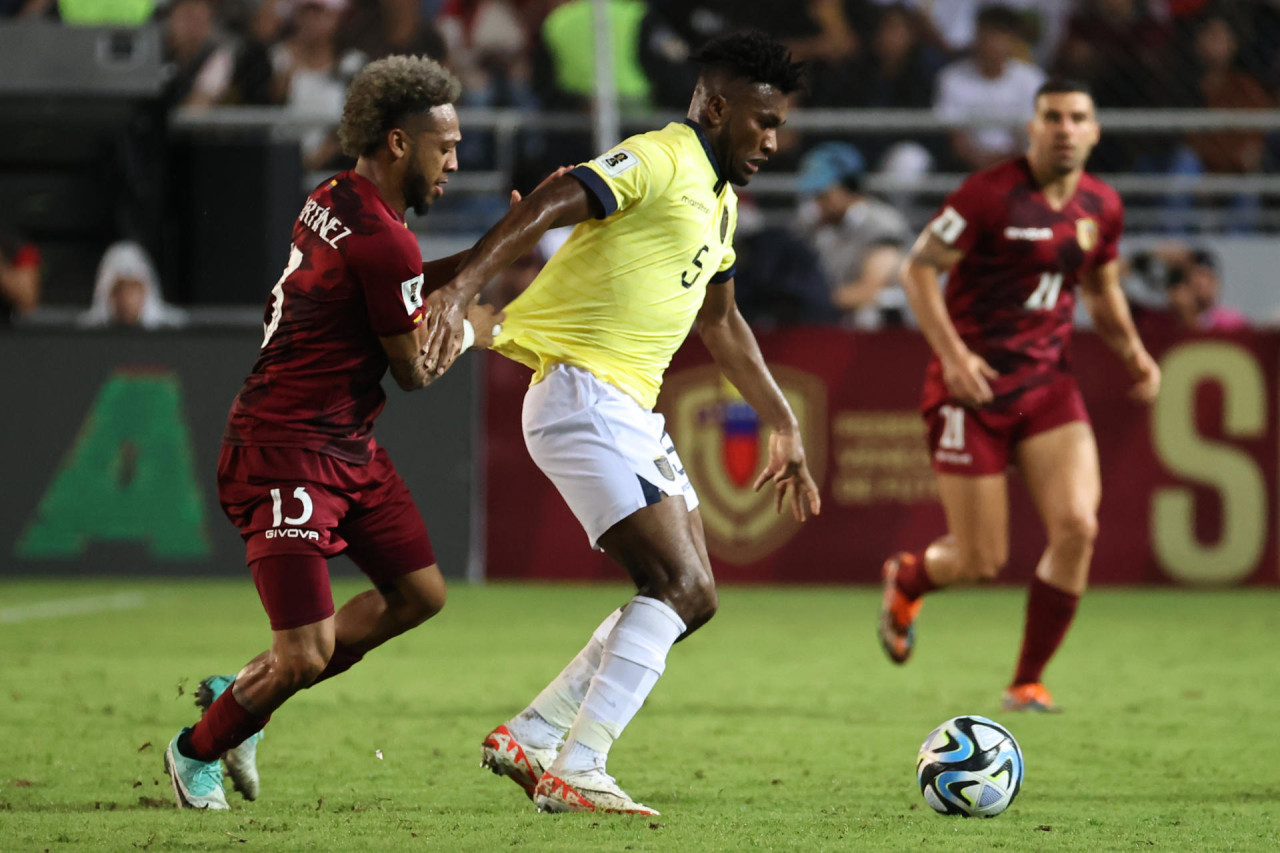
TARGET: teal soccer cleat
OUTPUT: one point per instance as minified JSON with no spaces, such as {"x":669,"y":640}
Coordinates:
{"x":197,"y":784}
{"x":242,"y":761}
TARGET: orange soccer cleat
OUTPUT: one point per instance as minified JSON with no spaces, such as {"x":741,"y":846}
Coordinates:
{"x":522,"y":764}
{"x":1029,"y":697}
{"x":897,"y":615}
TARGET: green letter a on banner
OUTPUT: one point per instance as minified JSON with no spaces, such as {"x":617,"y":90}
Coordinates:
{"x":128,"y":478}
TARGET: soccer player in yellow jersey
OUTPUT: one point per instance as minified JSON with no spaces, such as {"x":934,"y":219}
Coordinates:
{"x":651,"y":256}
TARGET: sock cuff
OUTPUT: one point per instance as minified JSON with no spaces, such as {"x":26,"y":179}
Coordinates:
{"x":1051,"y":596}
{"x":663,"y":608}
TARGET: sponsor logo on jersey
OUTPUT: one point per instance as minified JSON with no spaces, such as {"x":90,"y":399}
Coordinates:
{"x":411,"y":293}
{"x":617,"y":161}
{"x":293,"y":533}
{"x":723,"y":446}
{"x":1015,"y":233}
{"x":694,"y":203}
{"x":1087,"y":233}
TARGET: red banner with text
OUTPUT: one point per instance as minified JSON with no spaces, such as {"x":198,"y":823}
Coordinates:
{"x":1189,"y":485}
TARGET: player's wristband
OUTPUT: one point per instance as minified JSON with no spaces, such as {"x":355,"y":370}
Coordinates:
{"x":468,"y":335}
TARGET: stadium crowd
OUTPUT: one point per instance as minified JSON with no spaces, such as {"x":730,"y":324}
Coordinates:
{"x":959,"y":58}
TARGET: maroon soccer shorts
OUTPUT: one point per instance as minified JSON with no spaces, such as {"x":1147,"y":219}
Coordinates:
{"x":294,"y":506}
{"x":974,"y":442}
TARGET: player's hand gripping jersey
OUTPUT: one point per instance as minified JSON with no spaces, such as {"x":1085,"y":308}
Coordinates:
{"x":1012,"y":296}
{"x":354,"y":274}
{"x":620,"y":296}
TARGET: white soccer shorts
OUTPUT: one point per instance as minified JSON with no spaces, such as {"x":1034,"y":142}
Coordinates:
{"x":606,"y":454}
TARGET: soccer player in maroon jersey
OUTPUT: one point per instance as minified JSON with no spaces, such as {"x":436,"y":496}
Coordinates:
{"x":300,"y":472}
{"x":1016,"y":241}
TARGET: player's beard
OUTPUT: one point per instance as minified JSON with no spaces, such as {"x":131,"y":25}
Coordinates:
{"x":417,"y":192}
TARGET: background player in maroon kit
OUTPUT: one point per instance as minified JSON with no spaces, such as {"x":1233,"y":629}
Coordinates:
{"x":1016,"y":240}
{"x":300,"y":473}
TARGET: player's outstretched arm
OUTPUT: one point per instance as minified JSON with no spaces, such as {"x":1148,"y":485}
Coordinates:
{"x":1104,"y":298}
{"x":733,"y":346}
{"x":563,"y":200}
{"x":966,"y":373}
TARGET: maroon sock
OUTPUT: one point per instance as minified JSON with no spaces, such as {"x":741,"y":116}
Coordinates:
{"x":1049,"y":614}
{"x":344,"y":657}
{"x":913,"y":581}
{"x":224,"y":726}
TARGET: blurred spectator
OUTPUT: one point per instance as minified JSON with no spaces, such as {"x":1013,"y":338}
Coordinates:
{"x":858,"y":239}
{"x":564,"y":71}
{"x":252,"y":74}
{"x":127,"y":292}
{"x":1223,"y":84}
{"x":953,"y":23}
{"x":378,"y":28}
{"x":898,"y":69}
{"x":990,"y":84}
{"x":198,"y":67}
{"x":19,"y":277}
{"x":310,"y":74}
{"x":779,"y":280}
{"x":1120,"y":48}
{"x":25,"y":8}
{"x":1194,"y":290}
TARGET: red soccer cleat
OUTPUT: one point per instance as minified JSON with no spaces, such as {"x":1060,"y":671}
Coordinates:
{"x":897,"y":615}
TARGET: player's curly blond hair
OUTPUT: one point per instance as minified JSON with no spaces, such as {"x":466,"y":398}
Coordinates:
{"x":385,"y":92}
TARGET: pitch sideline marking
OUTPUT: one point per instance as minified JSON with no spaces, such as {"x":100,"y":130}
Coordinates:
{"x":58,"y":608}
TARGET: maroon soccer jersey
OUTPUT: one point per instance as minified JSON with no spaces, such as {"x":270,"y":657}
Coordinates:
{"x":1012,"y":296}
{"x":354,"y":274}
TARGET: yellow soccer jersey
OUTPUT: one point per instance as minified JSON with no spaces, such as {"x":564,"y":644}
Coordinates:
{"x":621,"y":294}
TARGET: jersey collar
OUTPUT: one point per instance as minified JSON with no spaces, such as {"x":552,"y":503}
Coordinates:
{"x":711,"y":155}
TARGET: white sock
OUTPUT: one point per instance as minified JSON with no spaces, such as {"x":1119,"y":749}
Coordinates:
{"x":552,"y":711}
{"x":635,"y":655}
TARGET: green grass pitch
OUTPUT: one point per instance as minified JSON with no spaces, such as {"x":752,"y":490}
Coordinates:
{"x":780,"y":726}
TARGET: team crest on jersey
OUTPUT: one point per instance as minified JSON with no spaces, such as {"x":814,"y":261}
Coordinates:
{"x":723,"y":446}
{"x":411,"y":293}
{"x":724,"y":225}
{"x":664,"y":468}
{"x":1087,"y":233}
{"x":617,"y":161}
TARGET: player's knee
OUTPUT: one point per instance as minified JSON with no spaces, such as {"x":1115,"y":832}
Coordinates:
{"x":1077,"y":530}
{"x":693,"y":598}
{"x":428,"y":602}
{"x":298,"y":669}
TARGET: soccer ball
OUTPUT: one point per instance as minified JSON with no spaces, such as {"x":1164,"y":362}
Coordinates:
{"x":969,"y":766}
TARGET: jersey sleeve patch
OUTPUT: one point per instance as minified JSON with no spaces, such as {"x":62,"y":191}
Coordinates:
{"x":948,"y":225}
{"x":411,"y":293}
{"x":617,"y":161}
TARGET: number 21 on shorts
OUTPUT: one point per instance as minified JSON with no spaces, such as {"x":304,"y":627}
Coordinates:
{"x":952,"y":427}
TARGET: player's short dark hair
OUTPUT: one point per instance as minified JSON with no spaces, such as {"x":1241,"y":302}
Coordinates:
{"x":385,"y":93}
{"x":1001,"y":18}
{"x":753,"y":56}
{"x":1063,"y":86}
